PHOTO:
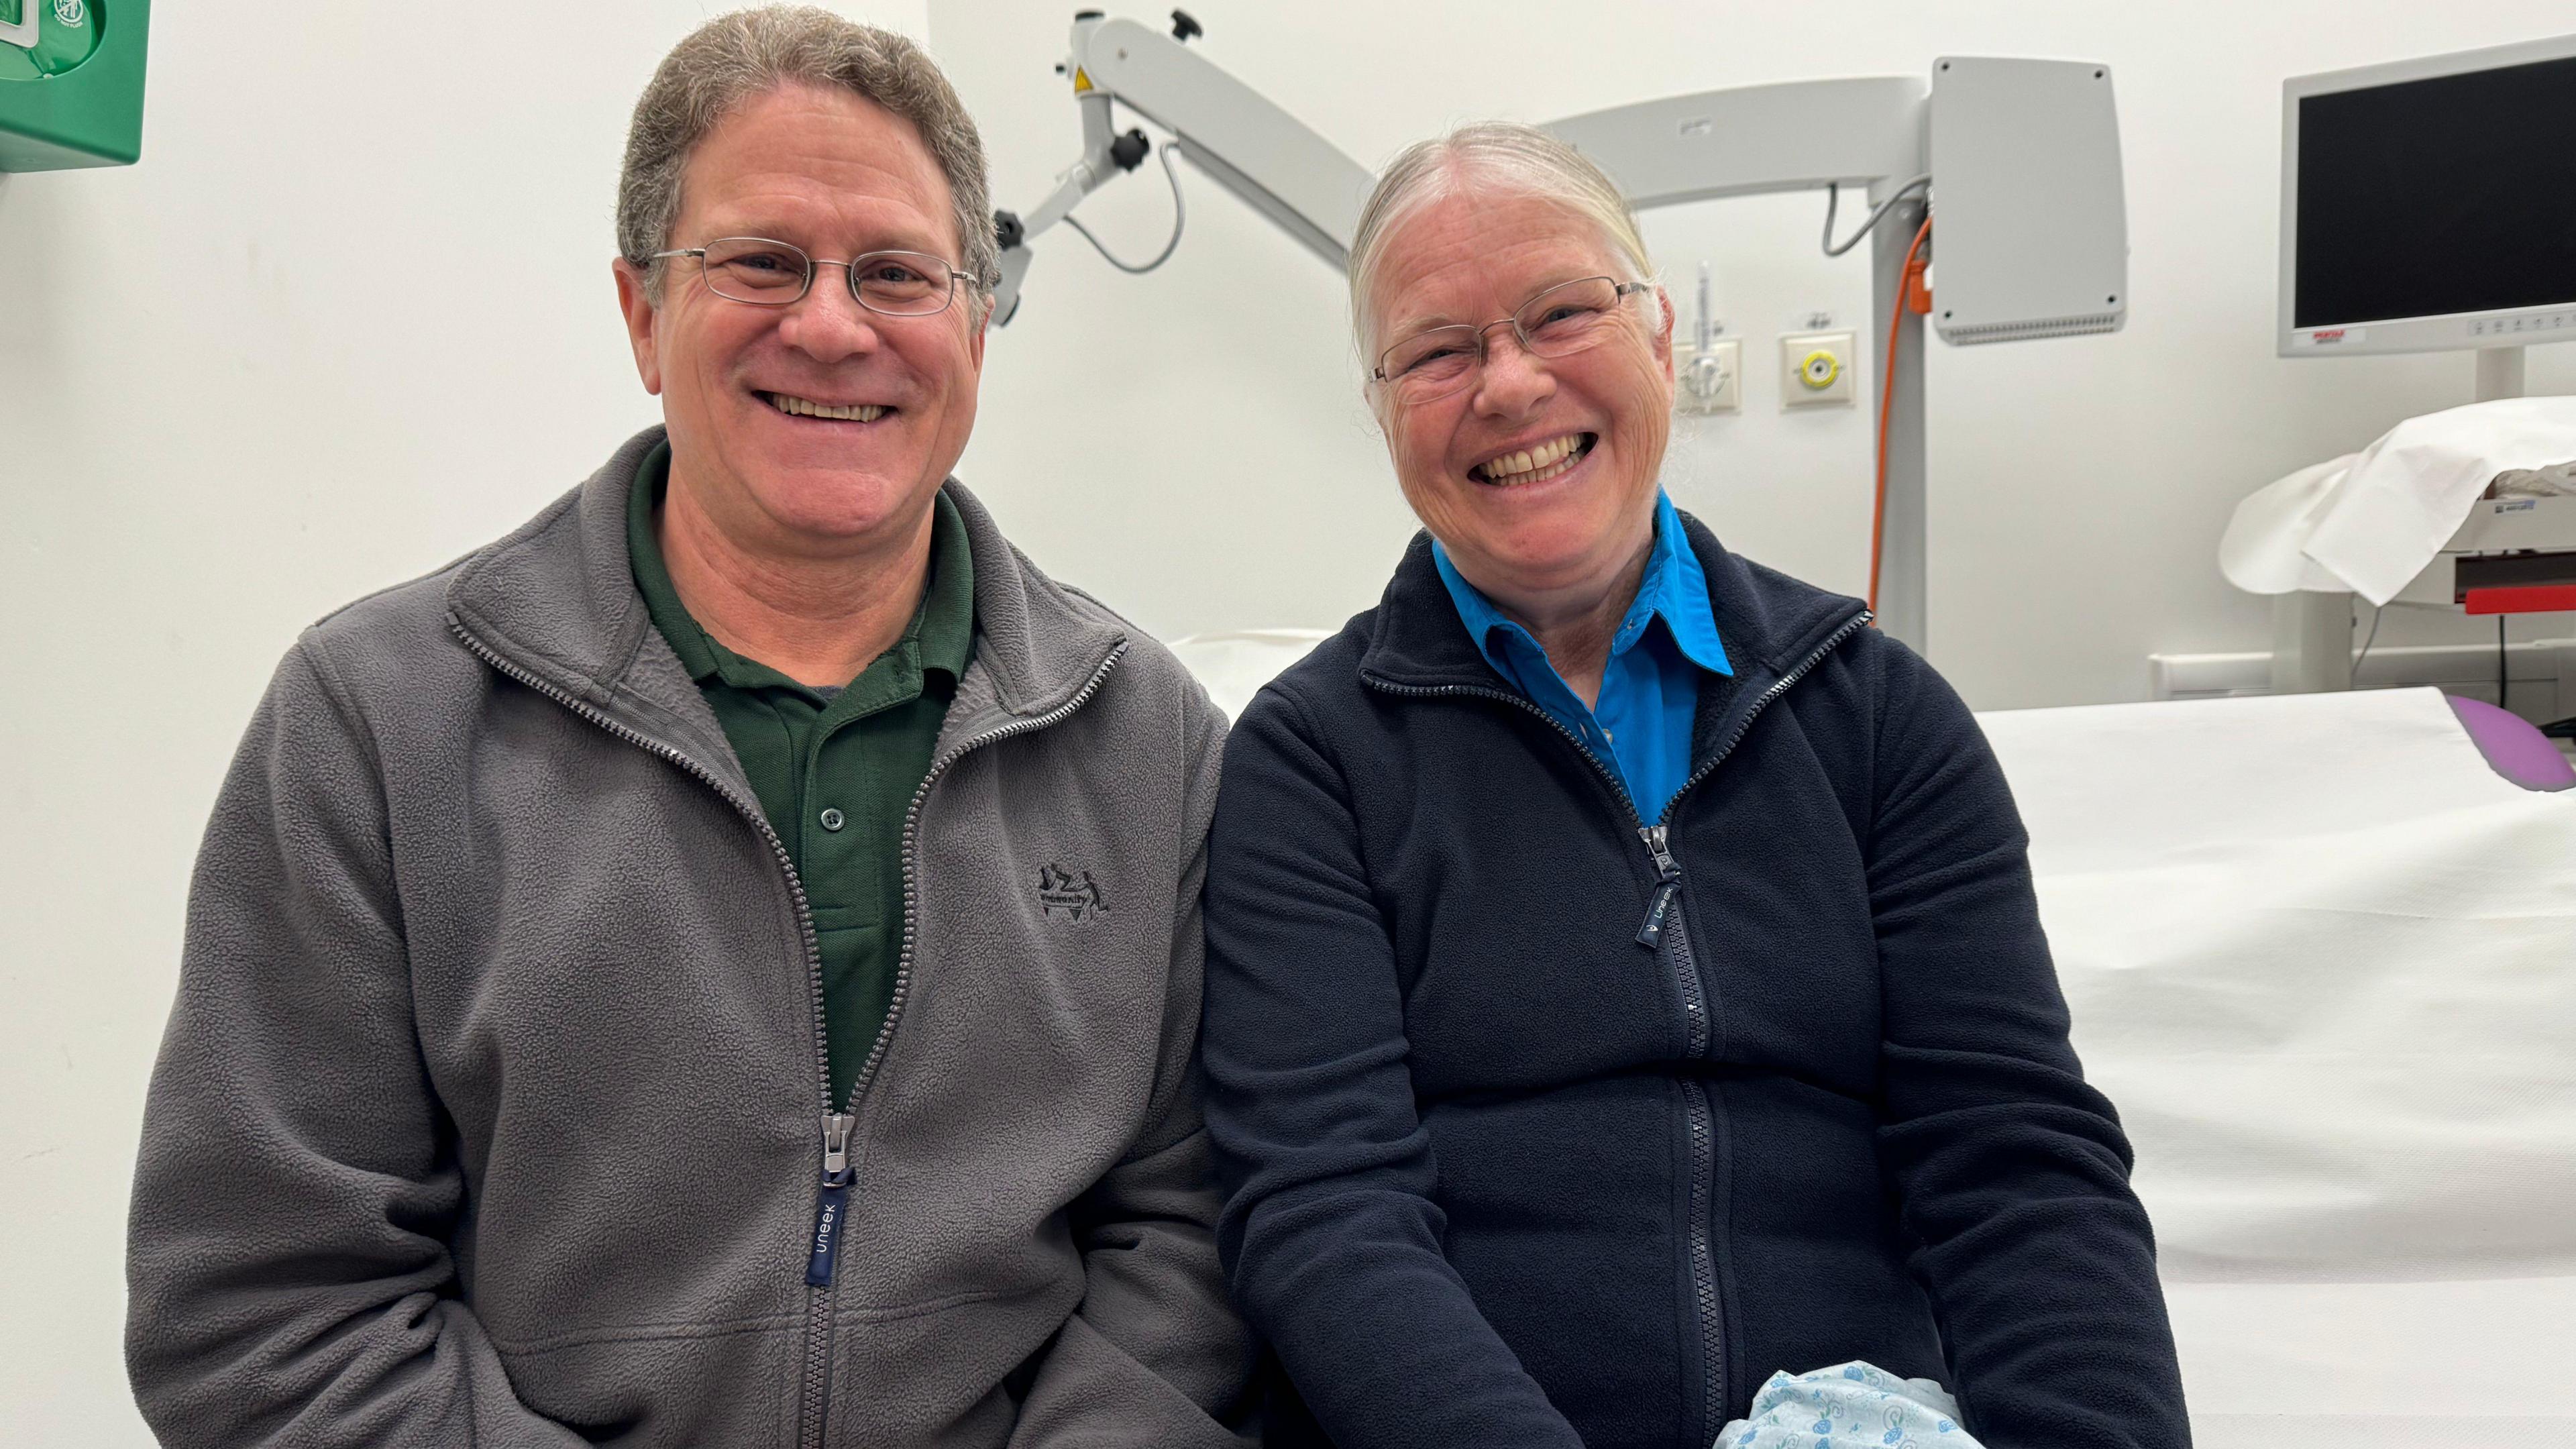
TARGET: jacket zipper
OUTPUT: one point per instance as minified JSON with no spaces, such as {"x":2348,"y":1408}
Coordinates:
{"x":832,"y":1198}
{"x":832,"y":1202}
{"x":1701,"y":1118}
{"x":1698,"y":1114}
{"x":834,"y":1195}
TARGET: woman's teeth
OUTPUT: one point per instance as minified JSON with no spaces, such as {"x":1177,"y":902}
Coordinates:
{"x":799,"y":407}
{"x":1534,"y":465}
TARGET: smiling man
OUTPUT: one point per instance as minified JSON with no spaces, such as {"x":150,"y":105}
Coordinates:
{"x":721,"y":964}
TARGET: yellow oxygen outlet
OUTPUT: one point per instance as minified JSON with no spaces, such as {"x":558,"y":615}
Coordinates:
{"x":1815,"y":368}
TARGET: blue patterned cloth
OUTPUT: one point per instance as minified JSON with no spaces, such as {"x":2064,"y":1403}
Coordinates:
{"x":1849,"y":1406}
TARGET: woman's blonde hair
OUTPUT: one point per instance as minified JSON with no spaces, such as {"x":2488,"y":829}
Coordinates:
{"x":1498,"y":155}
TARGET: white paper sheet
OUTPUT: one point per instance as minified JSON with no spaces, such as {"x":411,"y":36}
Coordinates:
{"x":2371,"y":522}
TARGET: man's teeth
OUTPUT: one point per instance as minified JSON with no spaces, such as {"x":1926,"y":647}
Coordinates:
{"x":1532,"y":465}
{"x":800,"y":407}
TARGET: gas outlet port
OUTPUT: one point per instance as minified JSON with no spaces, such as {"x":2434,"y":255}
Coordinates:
{"x":1711,"y":378}
{"x":1815,"y":369}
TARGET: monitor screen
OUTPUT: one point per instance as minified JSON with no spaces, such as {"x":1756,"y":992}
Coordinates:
{"x":2430,"y":197}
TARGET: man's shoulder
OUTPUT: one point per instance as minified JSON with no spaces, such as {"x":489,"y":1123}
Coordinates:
{"x":1149,"y":673}
{"x":1148,"y":677}
{"x":399,"y":636}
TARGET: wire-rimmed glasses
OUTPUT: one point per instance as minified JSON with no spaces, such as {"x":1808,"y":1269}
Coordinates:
{"x":1439,"y":362}
{"x":768,"y":273}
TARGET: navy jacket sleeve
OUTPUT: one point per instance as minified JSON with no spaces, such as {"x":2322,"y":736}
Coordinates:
{"x":1329,"y":1233}
{"x":2011,"y":1172}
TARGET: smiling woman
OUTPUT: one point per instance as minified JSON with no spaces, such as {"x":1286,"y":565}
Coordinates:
{"x":1624,"y":980}
{"x":1477,"y":424}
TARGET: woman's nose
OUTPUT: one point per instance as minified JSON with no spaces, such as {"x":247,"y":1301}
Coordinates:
{"x":1512,"y":381}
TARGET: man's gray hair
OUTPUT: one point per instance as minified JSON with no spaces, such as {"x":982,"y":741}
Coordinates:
{"x":1497,"y":155}
{"x":734,"y":58}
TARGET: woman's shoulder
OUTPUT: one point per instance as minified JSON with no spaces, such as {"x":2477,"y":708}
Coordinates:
{"x":1324,"y":684}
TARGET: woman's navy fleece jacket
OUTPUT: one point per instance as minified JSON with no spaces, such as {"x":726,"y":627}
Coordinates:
{"x":1514,"y":1158}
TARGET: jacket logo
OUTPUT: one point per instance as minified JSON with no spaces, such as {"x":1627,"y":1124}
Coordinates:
{"x":1073,"y":892}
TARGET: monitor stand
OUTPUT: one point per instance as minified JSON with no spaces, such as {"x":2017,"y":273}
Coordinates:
{"x":2312,"y":632}
{"x":2499,"y":373}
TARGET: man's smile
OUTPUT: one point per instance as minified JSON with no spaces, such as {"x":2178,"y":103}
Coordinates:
{"x":800,"y":407}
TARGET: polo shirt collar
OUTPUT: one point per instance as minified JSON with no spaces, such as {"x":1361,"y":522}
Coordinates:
{"x":1674,"y":588}
{"x":942,"y":630}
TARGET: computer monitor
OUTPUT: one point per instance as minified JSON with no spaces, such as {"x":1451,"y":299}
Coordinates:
{"x":2430,"y":204}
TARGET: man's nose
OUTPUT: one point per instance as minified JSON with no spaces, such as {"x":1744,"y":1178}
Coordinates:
{"x":1512,"y":382}
{"x":827,"y":323}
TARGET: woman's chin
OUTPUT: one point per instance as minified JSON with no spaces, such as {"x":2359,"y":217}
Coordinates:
{"x":1536,"y":564}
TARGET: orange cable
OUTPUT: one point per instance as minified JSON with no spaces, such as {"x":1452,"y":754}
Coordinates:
{"x":1887,"y":396}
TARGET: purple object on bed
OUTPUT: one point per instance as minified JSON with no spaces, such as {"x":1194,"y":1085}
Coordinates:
{"x":2514,"y":747}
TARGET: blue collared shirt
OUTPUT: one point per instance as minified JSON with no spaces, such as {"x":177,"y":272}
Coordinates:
{"x":1641,"y":722}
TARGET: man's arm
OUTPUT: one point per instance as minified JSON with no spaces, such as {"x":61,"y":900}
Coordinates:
{"x":1154,"y":1354}
{"x":2011,"y":1173}
{"x":287,"y":1263}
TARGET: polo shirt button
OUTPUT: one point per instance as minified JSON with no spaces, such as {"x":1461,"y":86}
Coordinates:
{"x":834,"y":819}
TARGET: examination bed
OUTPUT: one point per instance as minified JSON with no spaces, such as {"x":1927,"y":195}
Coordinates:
{"x":2324,"y":959}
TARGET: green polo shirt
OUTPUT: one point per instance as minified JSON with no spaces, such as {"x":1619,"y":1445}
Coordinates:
{"x":835,"y":769}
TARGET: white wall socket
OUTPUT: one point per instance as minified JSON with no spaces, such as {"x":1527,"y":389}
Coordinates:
{"x":1710,"y":380}
{"x":1815,"y":369}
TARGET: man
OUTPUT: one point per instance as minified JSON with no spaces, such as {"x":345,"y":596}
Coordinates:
{"x":720,"y":965}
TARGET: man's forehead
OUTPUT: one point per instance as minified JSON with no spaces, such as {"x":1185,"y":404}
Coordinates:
{"x":818,"y":160}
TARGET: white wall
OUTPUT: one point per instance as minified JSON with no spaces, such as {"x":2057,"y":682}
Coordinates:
{"x":2078,"y":487}
{"x":351,"y":316}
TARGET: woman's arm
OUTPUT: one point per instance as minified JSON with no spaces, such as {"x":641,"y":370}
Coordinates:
{"x":2011,"y":1173}
{"x":1329,"y":1233}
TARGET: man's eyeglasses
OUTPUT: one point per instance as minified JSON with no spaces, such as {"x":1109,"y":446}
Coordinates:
{"x":769,"y":273}
{"x":1565,"y":319}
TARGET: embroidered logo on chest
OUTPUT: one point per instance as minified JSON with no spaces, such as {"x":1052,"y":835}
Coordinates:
{"x":1074,"y":893}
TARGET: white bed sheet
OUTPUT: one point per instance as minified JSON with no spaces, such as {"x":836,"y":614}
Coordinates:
{"x":2324,"y":960}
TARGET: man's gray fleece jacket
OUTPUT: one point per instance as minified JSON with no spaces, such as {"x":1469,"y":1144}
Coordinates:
{"x":491,"y":1111}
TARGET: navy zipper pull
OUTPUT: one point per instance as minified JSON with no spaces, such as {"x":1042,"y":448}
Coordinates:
{"x":1668,"y":883}
{"x":832,"y":1203}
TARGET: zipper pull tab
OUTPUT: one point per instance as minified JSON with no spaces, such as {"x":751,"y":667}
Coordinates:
{"x":831,"y":1202}
{"x":1668,"y":883}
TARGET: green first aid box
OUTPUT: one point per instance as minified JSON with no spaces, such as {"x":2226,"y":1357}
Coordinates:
{"x":71,"y":83}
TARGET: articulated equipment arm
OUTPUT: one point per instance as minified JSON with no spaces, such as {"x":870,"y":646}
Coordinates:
{"x":1276,"y":163}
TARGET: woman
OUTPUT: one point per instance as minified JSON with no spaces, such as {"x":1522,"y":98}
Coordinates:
{"x":1624,"y":979}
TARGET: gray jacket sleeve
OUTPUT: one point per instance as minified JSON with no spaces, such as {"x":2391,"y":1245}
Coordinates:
{"x":287,"y":1265}
{"x":1155,"y":1354}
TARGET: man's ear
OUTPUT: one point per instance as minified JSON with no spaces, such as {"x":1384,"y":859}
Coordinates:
{"x":636,"y":302}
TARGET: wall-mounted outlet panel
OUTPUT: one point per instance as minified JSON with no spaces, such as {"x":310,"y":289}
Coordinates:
{"x":1815,"y":369}
{"x":1710,"y":380}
